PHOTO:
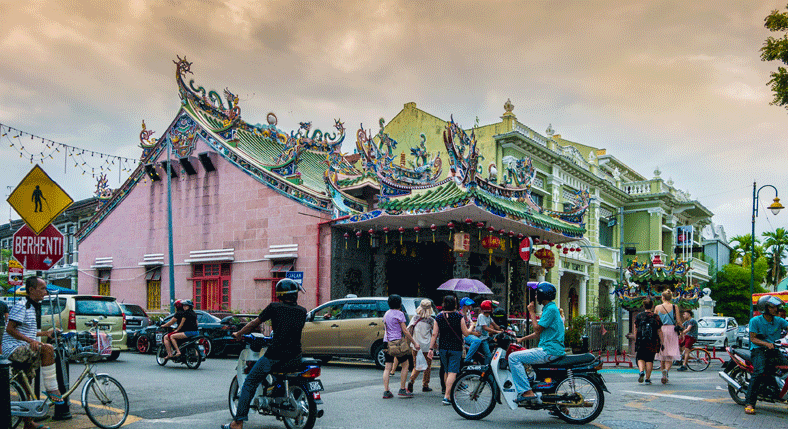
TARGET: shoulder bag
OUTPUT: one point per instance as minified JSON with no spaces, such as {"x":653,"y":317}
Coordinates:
{"x":676,"y":326}
{"x":399,"y":347}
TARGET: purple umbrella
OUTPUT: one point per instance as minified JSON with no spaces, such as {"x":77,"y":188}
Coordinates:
{"x":466,"y":285}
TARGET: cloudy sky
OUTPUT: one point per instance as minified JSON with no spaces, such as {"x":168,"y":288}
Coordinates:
{"x":677,"y":85}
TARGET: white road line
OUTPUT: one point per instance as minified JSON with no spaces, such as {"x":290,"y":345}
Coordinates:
{"x":689,"y":398}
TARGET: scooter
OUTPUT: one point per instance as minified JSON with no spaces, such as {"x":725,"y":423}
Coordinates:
{"x":571,"y":386}
{"x":737,"y":372}
{"x":291,"y":392}
{"x":192,"y":353}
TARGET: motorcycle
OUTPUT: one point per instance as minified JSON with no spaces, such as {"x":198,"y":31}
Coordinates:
{"x":737,"y":372}
{"x":192,"y":353}
{"x":571,"y":386}
{"x":291,"y":392}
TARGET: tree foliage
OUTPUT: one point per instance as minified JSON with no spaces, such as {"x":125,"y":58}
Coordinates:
{"x":776,"y":243}
{"x":742,"y":246}
{"x":731,"y":289}
{"x":776,"y":49}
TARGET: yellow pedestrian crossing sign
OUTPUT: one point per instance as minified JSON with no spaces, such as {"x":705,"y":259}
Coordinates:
{"x":38,"y":199}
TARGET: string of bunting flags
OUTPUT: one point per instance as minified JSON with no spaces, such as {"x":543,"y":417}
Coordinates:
{"x":39,"y":149}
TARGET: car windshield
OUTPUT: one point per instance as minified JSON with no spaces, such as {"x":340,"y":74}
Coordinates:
{"x":97,"y":307}
{"x":133,"y":310}
{"x":712,"y":323}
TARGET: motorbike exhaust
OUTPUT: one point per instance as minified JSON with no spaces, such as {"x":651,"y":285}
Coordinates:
{"x":729,"y":380}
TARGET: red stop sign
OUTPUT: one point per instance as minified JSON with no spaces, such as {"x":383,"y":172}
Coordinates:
{"x":525,"y":248}
{"x":38,"y":252}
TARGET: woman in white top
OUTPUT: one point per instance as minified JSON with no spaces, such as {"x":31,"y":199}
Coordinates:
{"x":421,"y":326}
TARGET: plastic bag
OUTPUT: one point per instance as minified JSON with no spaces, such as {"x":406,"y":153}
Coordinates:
{"x":421,"y":362}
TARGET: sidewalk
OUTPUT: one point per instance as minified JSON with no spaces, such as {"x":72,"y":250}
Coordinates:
{"x":78,"y":420}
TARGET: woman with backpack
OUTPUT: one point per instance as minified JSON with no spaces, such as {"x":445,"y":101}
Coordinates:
{"x":648,"y":340}
{"x":421,"y":328}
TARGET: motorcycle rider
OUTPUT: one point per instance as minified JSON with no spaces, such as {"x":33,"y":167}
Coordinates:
{"x":187,"y":328}
{"x":485,"y":326}
{"x":550,"y":332}
{"x":176,"y":318}
{"x":764,"y":331}
{"x":287,"y":320}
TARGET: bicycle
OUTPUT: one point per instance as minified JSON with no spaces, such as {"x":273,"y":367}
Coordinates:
{"x":699,"y":360}
{"x":103,"y":397}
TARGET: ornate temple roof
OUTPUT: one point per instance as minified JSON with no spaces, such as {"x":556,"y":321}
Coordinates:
{"x":365,"y":189}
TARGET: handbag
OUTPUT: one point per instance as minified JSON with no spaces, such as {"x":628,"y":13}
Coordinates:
{"x":399,"y":347}
{"x":676,"y":327}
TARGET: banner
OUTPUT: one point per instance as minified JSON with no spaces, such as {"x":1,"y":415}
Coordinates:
{"x":15,"y":273}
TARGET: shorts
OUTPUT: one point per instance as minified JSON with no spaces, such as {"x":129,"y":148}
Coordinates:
{"x":688,"y":341}
{"x":451,"y":360}
{"x":190,"y":334}
{"x":645,"y":355}
{"x":26,"y":355}
{"x":406,"y":358}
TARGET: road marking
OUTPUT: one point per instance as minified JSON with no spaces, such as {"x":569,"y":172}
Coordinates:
{"x":640,"y":405}
{"x":689,"y":398}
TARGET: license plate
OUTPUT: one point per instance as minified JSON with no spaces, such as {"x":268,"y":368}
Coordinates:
{"x":159,"y":335}
{"x":314,"y":386}
{"x":105,"y":327}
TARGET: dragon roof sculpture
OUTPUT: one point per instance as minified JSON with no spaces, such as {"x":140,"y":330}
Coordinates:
{"x":650,"y":279}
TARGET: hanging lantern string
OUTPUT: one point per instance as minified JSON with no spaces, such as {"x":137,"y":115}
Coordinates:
{"x":39,"y":149}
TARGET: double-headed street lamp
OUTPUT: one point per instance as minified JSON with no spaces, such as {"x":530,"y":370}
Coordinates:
{"x":775,"y":208}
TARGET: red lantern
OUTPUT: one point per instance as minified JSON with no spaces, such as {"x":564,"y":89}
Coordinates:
{"x":371,"y":234}
{"x":557,"y":246}
{"x":480,"y":225}
{"x":386,"y":233}
{"x":358,"y":238}
{"x":347,"y":236}
{"x":433,"y":228}
{"x":451,"y":229}
{"x":491,"y":242}
{"x":417,"y":229}
{"x":566,"y":250}
{"x":401,"y":231}
{"x":469,"y":221}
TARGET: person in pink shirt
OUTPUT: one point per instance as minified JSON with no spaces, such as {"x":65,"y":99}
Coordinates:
{"x":396,"y":328}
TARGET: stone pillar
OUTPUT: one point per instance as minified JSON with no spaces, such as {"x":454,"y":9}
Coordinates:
{"x":582,"y":305}
{"x":379,"y":281}
{"x":461,"y":268}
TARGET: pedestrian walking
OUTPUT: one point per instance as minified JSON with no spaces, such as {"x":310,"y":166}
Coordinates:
{"x":394,"y":322}
{"x":450,"y":332}
{"x":689,"y":336}
{"x":669,"y":352}
{"x":648,"y":339}
{"x":421,"y":328}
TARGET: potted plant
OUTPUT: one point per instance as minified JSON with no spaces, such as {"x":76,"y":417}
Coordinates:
{"x":574,"y":333}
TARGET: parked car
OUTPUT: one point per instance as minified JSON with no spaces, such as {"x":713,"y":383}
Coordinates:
{"x":217,"y":331}
{"x":717,"y":331}
{"x":743,"y":336}
{"x":350,"y":327}
{"x":71,"y":312}
{"x":136,"y":319}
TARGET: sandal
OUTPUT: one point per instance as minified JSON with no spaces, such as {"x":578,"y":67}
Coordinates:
{"x":55,"y":398}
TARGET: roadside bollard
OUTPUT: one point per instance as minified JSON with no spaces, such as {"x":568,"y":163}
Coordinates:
{"x":5,"y":393}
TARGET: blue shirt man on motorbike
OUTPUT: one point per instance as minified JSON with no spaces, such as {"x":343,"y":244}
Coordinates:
{"x":764,"y":331}
{"x":550,"y":332}
{"x":287,"y":320}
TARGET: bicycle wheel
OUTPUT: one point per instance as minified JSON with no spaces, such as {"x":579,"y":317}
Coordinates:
{"x":472,"y":397}
{"x":106,"y":402}
{"x":699,"y":359}
{"x":17,"y":394}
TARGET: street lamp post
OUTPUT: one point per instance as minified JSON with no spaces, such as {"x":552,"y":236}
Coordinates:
{"x":775,"y":208}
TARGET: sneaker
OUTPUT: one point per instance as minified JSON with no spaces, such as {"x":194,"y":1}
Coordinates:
{"x":426,"y":389}
{"x":403,"y":393}
{"x":410,"y":387}
{"x":387,"y":395}
{"x":647,"y":382}
{"x":446,"y":402}
{"x":749,"y":409}
{"x":642,"y":376}
{"x":681,"y":368}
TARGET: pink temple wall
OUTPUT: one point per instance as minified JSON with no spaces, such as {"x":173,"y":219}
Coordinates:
{"x":223,"y":209}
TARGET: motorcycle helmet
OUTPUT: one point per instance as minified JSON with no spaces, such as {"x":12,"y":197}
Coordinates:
{"x":187,"y":302}
{"x":486,"y":305}
{"x":545,"y":292}
{"x":466,"y":301}
{"x":179,"y":305}
{"x":500,"y":317}
{"x":288,"y":289}
{"x":769,"y":300}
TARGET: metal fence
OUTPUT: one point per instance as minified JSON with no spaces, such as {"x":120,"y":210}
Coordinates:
{"x":602,"y":336}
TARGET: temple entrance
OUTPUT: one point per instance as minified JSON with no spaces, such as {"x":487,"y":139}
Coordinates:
{"x":418,"y":269}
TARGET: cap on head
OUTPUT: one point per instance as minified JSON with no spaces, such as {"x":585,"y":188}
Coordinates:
{"x":486,"y":305}
{"x":467,"y":301}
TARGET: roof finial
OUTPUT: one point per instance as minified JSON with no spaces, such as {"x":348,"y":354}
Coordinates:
{"x":550,"y":131}
{"x":508,"y":107}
